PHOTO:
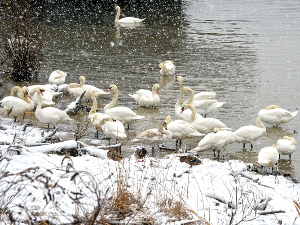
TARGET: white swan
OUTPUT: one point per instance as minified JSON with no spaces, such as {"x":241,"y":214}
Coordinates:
{"x":57,"y":77}
{"x":275,"y":116}
{"x":203,"y":125}
{"x":167,"y":68}
{"x":154,"y":135}
{"x":286,"y":146}
{"x":113,"y":129}
{"x":268,"y":156}
{"x":49,"y":115}
{"x":216,"y":140}
{"x":202,"y":101}
{"x":96,"y":118}
{"x":122,"y":113}
{"x":204,"y":106}
{"x":16,"y":106}
{"x":130,"y":20}
{"x":181,"y":129}
{"x":47,"y":98}
{"x":77,"y":89}
{"x":147,"y":98}
{"x":250,"y":133}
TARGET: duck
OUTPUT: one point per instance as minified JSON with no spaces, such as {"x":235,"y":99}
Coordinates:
{"x":77,"y":89}
{"x":17,"y":106}
{"x":121,"y":113}
{"x":96,"y":118}
{"x":216,"y":140}
{"x":49,"y":115}
{"x":181,"y":129}
{"x":250,"y":133}
{"x":113,"y":129}
{"x":286,"y":146}
{"x":57,"y":77}
{"x":190,"y":159}
{"x":147,"y":98}
{"x":203,"y":125}
{"x":154,"y":135}
{"x":129,"y":20}
{"x":167,"y":68}
{"x":275,"y":115}
{"x":268,"y":156}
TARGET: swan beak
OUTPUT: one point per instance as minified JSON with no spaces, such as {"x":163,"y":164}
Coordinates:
{"x":26,"y":94}
{"x":182,"y":109}
{"x":157,"y":90}
{"x":109,"y":89}
{"x":42,"y":91}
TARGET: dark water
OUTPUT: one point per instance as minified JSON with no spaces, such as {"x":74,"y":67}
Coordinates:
{"x":247,"y":52}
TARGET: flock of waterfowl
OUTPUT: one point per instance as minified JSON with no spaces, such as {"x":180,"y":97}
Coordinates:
{"x":191,"y":114}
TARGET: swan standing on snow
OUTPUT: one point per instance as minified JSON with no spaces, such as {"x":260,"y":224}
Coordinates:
{"x":275,"y":116}
{"x":167,"y":68}
{"x":49,"y":115}
{"x":154,"y":135}
{"x":122,"y":113}
{"x":113,"y":129}
{"x":96,"y":118}
{"x":57,"y":77}
{"x":77,"y":89}
{"x":147,"y":98}
{"x":17,"y":106}
{"x":181,"y":129}
{"x":286,"y":146}
{"x":129,"y":20}
{"x":250,"y":133}
{"x":216,"y":140}
{"x":268,"y":156}
{"x":203,"y":125}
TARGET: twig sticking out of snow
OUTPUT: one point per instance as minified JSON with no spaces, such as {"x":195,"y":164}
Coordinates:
{"x":75,"y":106}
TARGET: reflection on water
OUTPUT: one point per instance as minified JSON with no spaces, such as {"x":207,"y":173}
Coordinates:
{"x":248,"y":57}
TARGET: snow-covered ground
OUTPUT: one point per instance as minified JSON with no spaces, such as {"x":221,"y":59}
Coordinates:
{"x":38,"y":186}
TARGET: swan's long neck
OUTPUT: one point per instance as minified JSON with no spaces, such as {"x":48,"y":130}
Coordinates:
{"x":190,"y":91}
{"x":259,"y":123}
{"x":192,"y":118}
{"x":113,"y":101}
{"x":39,"y":105}
{"x":17,"y":90}
{"x":118,"y":15}
{"x":154,"y":90}
{"x":94,"y":106}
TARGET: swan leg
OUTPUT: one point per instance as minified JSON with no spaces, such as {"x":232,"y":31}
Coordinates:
{"x":290,"y":156}
{"x":251,"y":145}
{"x":244,"y":145}
{"x":214,"y":153}
{"x":279,"y":156}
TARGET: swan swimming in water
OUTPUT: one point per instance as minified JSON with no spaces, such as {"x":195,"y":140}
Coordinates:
{"x":127,"y":20}
{"x":77,"y":89}
{"x":57,"y":77}
{"x":167,"y":68}
{"x":147,"y":98}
